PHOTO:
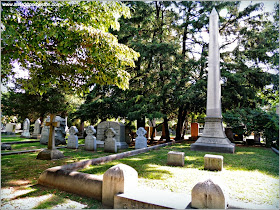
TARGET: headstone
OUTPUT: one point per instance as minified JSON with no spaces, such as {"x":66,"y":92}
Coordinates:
{"x":194,"y":131}
{"x":141,"y":140}
{"x":213,"y":138}
{"x":213,"y":162}
{"x":6,"y":146}
{"x":59,"y":132}
{"x":118,"y":179}
{"x":26,"y":125}
{"x":72,"y":142}
{"x":18,"y":128}
{"x":120,"y":133}
{"x":257,"y":138}
{"x":175,"y":158}
{"x":10,"y":128}
{"x":51,"y":153}
{"x":110,"y":144}
{"x":209,"y":195}
{"x":90,"y":140}
{"x":37,"y":129}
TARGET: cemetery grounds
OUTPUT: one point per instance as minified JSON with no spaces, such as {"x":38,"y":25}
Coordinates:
{"x":251,"y":175}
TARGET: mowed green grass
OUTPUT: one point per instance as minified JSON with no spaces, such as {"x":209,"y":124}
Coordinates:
{"x":251,"y":174}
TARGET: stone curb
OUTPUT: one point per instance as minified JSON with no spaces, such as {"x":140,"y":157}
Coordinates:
{"x":275,"y":150}
{"x":21,"y":142}
{"x":29,"y":151}
{"x":66,"y":178}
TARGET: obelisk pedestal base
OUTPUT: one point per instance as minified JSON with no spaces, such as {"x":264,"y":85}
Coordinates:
{"x":50,"y":154}
{"x":210,"y":147}
{"x":213,"y":138}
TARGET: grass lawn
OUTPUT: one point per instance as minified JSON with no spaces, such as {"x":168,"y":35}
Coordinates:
{"x":251,"y":174}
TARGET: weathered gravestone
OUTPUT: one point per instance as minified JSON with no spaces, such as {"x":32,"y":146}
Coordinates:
{"x":120,"y":133}
{"x":110,"y":144}
{"x":6,"y":147}
{"x":73,"y":138}
{"x":210,"y":194}
{"x":51,"y":153}
{"x":141,"y":140}
{"x":90,"y":140}
{"x":59,"y":132}
{"x":37,"y":129}
{"x":10,"y":128}
{"x":26,"y":125}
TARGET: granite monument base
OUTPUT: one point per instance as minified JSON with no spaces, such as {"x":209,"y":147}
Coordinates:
{"x":50,"y":154}
{"x":210,"y":147}
{"x":213,"y":138}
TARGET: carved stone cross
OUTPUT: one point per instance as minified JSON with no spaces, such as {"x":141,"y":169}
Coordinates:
{"x":52,"y":124}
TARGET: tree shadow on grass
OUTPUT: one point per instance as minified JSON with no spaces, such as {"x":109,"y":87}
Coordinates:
{"x":147,"y":165}
{"x":58,"y":197}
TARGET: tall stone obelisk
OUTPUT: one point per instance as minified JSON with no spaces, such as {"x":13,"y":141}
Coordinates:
{"x":213,"y":138}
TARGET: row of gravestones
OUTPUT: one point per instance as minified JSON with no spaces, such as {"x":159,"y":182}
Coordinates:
{"x":110,"y":143}
{"x":110,"y":134}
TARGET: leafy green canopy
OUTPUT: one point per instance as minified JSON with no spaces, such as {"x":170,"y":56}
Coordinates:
{"x":67,"y":47}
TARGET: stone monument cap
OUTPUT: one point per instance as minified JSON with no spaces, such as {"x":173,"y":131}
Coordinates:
{"x":73,"y":130}
{"x":141,"y":131}
{"x":90,"y":130}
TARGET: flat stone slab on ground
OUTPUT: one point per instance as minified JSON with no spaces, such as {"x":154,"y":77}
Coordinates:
{"x":147,"y":198}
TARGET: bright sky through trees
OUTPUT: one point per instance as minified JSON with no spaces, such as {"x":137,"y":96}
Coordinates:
{"x":268,"y":7}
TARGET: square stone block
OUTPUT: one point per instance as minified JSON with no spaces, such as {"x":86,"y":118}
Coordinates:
{"x":213,"y":162}
{"x":175,"y":158}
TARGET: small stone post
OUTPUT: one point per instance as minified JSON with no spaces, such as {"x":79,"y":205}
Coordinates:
{"x":209,"y":195}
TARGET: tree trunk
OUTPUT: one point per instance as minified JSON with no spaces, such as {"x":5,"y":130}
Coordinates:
{"x":165,"y":124}
{"x":141,"y":123}
{"x":179,"y":124}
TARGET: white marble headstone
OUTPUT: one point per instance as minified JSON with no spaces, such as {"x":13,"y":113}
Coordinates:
{"x":141,"y":140}
{"x":37,"y":127}
{"x":73,"y":138}
{"x":26,"y":126}
{"x":90,"y":140}
{"x":110,"y":144}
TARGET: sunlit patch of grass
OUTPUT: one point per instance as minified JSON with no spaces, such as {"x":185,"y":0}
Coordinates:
{"x":52,"y":201}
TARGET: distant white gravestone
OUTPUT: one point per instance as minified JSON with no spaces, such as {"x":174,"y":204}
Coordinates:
{"x":110,"y":144}
{"x":26,"y":126}
{"x":90,"y":140}
{"x":73,"y":138}
{"x":37,"y":129}
{"x":141,"y":140}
